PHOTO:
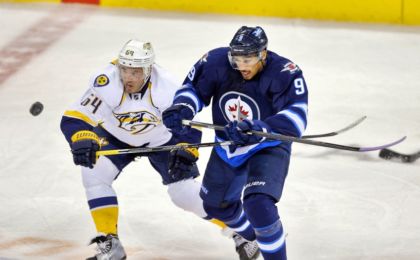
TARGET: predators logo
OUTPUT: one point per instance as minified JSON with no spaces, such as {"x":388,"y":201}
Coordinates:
{"x":137,"y":122}
{"x":101,"y":81}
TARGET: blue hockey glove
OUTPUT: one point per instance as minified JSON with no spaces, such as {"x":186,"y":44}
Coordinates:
{"x":173,"y":116}
{"x":181,"y":162}
{"x":237,"y":132}
{"x":84,"y":146}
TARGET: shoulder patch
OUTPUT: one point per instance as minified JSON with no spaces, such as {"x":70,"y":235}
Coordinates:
{"x":290,"y":67}
{"x":101,"y":81}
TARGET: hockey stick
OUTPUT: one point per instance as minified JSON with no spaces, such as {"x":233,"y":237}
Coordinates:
{"x":225,"y":143}
{"x":334,"y":133}
{"x":170,"y":147}
{"x":160,"y":148}
{"x":286,"y":138}
{"x":388,"y":154}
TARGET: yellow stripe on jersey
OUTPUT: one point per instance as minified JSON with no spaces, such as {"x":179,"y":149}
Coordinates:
{"x":106,"y":219}
{"x":123,"y":98}
{"x":218,"y":222}
{"x":78,"y":115}
{"x":150,"y":94}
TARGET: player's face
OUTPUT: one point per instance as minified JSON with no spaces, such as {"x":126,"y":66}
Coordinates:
{"x":132,"y":78}
{"x":248,"y":66}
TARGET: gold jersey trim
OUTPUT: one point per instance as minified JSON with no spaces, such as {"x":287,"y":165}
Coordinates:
{"x":78,"y":115}
{"x":149,"y":86}
{"x":123,"y":98}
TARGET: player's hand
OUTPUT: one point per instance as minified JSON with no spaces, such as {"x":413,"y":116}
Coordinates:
{"x":84,"y":146}
{"x":238,"y":132}
{"x":173,"y":116}
{"x":181,"y":162}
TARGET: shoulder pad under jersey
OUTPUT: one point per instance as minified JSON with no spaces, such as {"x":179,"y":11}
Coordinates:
{"x":107,"y":85}
{"x":163,"y":87}
{"x":281,"y":69}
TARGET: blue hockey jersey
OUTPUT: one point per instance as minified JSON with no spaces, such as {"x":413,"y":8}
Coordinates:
{"x":277,"y":95}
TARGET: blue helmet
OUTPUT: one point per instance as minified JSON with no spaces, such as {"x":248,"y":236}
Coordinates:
{"x":248,"y":40}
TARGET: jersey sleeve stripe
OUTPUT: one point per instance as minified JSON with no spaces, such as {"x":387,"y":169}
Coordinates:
{"x":81,"y":116}
{"x":296,"y":119}
{"x":302,"y":106}
{"x":192,"y":97}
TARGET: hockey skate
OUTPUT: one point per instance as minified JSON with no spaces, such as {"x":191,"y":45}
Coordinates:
{"x":109,"y":248}
{"x":247,"y":250}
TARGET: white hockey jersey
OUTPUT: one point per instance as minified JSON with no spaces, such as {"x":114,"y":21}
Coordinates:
{"x":135,"y":119}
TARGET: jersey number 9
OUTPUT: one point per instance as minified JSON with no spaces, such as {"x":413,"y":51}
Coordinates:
{"x":299,"y":86}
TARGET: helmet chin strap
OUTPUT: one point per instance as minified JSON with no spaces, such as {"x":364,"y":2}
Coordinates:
{"x":146,"y":80}
{"x":262,"y":64}
{"x":263,"y":60}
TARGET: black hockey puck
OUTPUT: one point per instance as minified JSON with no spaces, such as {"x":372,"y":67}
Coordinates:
{"x":36,"y":108}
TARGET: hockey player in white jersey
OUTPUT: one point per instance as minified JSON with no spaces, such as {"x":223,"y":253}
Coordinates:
{"x":122,"y":108}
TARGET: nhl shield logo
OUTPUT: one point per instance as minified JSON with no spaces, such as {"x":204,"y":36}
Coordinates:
{"x":137,"y":122}
{"x":238,"y":106}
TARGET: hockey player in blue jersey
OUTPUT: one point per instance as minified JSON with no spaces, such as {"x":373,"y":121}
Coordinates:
{"x":252,"y":89}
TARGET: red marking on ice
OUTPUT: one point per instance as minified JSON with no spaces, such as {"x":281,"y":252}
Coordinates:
{"x":39,"y":37}
{"x":45,"y":248}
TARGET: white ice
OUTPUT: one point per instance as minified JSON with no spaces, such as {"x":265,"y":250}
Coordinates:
{"x":336,"y":205}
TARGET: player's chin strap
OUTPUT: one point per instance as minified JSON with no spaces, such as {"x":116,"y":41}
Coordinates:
{"x":286,"y":138}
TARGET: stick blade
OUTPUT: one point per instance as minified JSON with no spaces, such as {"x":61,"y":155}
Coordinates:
{"x":389,"y":154}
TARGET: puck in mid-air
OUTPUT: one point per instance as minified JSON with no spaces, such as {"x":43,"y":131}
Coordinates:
{"x":36,"y":108}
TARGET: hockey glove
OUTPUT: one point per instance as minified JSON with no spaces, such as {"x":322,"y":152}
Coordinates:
{"x":238,"y":132}
{"x":173,"y":116}
{"x":84,"y":146}
{"x":181,"y":162}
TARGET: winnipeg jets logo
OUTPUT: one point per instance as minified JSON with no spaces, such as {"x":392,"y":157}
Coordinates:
{"x":237,"y":110}
{"x":291,"y":67}
{"x":137,"y":122}
{"x":238,"y":106}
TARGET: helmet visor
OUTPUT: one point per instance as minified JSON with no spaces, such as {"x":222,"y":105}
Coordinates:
{"x":239,"y":62}
{"x":128,"y":73}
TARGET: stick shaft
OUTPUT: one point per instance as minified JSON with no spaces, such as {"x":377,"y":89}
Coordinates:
{"x":164,"y":148}
{"x":286,"y":138}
